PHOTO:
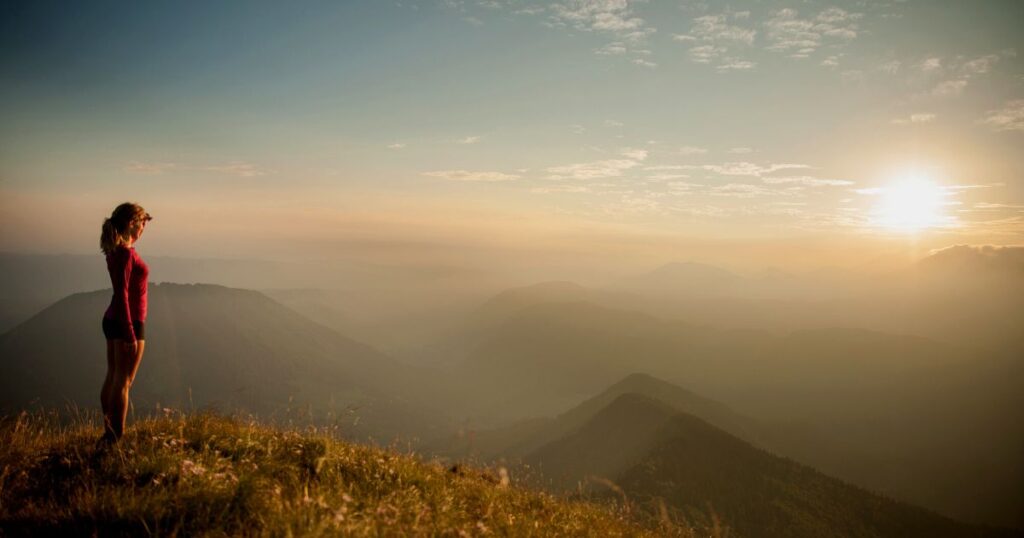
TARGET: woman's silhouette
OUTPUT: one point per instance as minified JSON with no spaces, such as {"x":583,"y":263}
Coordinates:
{"x":124,"y":320}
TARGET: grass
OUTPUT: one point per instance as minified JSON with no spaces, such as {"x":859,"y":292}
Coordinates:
{"x":207,"y":475}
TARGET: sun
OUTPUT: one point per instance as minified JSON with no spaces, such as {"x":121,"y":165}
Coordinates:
{"x":911,"y":203}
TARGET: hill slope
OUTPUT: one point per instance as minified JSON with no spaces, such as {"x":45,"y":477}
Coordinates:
{"x":205,"y":475}
{"x":214,"y":346}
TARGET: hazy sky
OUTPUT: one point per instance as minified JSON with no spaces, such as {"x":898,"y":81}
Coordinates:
{"x":422,"y":131}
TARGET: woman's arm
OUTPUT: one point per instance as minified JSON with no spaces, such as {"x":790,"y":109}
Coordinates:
{"x":120,"y":276}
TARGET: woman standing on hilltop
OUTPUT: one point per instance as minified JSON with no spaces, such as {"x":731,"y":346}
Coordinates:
{"x":124,"y":320}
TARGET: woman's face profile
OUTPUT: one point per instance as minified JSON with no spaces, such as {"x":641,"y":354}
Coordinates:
{"x":137,"y":228}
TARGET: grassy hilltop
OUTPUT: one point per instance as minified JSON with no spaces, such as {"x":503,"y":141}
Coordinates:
{"x":202,"y":474}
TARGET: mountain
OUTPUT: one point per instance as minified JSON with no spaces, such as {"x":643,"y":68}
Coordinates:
{"x":214,"y":346}
{"x":517,"y":440}
{"x":917,"y":419}
{"x":651,"y":452}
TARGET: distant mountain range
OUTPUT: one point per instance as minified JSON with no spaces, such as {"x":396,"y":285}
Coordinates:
{"x":935,"y":421}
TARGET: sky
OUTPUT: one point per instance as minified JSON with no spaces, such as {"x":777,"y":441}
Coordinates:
{"x":475,"y":131}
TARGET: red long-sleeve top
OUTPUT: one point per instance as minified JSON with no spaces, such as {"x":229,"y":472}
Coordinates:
{"x":129,"y":276}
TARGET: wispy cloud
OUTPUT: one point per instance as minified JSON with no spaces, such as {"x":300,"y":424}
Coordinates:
{"x":560,"y":189}
{"x":237,"y":169}
{"x":234,"y":168}
{"x":958,"y":71}
{"x":691,"y":150}
{"x":599,"y":169}
{"x":922,"y":117}
{"x":799,"y":37}
{"x":949,"y":88}
{"x":149,"y":168}
{"x":670,"y":167}
{"x":892,"y":67}
{"x":719,"y":40}
{"x":750,"y":169}
{"x":1008,"y":118}
{"x":592,"y":170}
{"x":595,"y":170}
{"x":635,"y":154}
{"x":612,"y":49}
{"x":599,"y":15}
{"x":740,"y":190}
{"x":644,"y":63}
{"x":808,"y":181}
{"x":397,"y":145}
{"x":468,"y":140}
{"x":665,"y":177}
{"x":466,"y":175}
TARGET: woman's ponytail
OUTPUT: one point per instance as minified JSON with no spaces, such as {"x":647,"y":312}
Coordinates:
{"x":108,"y":237}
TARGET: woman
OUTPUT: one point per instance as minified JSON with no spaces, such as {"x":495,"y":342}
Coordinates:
{"x":124,"y":321}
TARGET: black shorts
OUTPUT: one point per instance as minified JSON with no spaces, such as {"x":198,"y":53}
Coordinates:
{"x":114,"y":330}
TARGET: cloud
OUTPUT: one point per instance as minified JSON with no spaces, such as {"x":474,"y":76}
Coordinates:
{"x":798,"y":37}
{"x":644,"y":63}
{"x":560,"y":189}
{"x":717,"y":38}
{"x":237,"y":169}
{"x":987,"y":206}
{"x":949,"y":88}
{"x":740,"y":190}
{"x":669,"y":167}
{"x":149,"y":168}
{"x":750,"y":169}
{"x":977,"y":260}
{"x":808,"y":181}
{"x":733,"y":64}
{"x":612,"y":16}
{"x":465,"y":175}
{"x":891,"y":67}
{"x":613,"y":123}
{"x":599,"y":169}
{"x":468,"y":140}
{"x":592,"y":170}
{"x":1008,"y":118}
{"x":635,"y":154}
{"x":665,"y":177}
{"x":705,"y":54}
{"x":740,"y":150}
{"x":397,"y":145}
{"x":717,"y":28}
{"x":922,"y":117}
{"x":960,"y":71}
{"x":614,"y":48}
{"x":930,"y":65}
{"x":691,"y":150}
{"x":981,"y":65}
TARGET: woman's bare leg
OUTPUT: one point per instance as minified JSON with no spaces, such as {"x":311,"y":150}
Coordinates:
{"x":107,"y":392}
{"x":126,"y":365}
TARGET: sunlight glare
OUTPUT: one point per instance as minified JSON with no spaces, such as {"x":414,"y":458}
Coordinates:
{"x":911,"y":203}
